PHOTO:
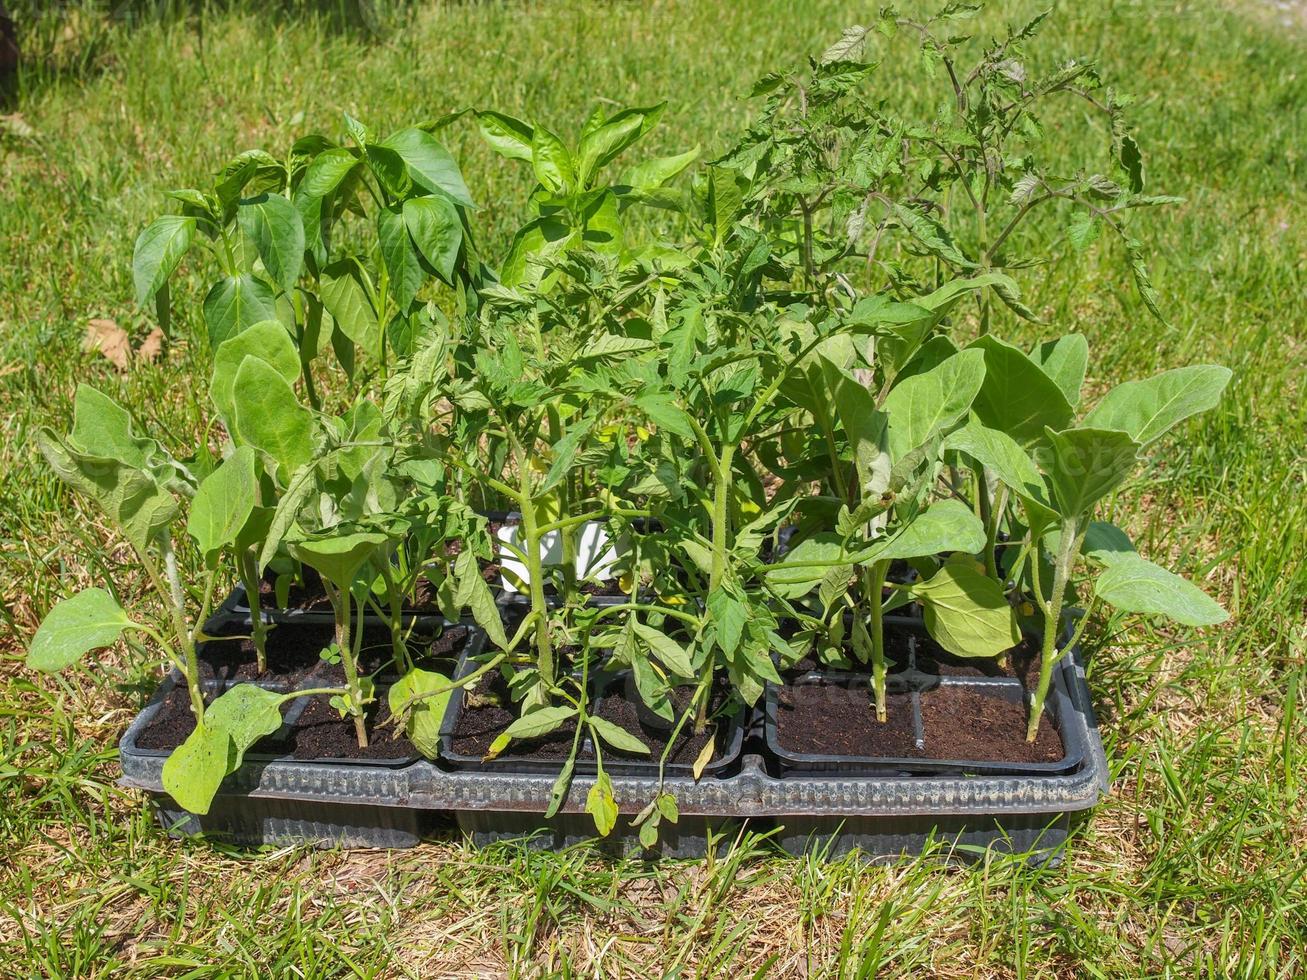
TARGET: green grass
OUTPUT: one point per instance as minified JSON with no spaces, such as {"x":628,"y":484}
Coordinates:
{"x":1194,"y":866}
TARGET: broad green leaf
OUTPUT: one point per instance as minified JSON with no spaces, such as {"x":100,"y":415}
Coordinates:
{"x":1134,"y":584}
{"x":273,"y":225}
{"x":947,"y":525}
{"x":1064,"y":360}
{"x":223,"y":503}
{"x":1085,"y":465}
{"x":400,"y":257}
{"x":946,"y":296}
{"x":534,"y":242}
{"x":925,"y":405}
{"x":425,"y":716}
{"x":429,"y":164}
{"x":866,"y":427}
{"x":564,"y":452}
{"x":605,"y":142}
{"x":90,"y":620}
{"x":558,"y":792}
{"x":268,"y":341}
{"x":347,"y":302}
{"x":611,"y":346}
{"x":966,"y":611}
{"x":551,"y":162}
{"x":269,"y":417}
{"x":602,"y":225}
{"x":672,"y":654}
{"x":506,"y":135}
{"x":1018,"y":398}
{"x":473,"y":593}
{"x":389,"y":169}
{"x":1147,"y":409}
{"x":437,"y":231}
{"x":729,"y":615}
{"x":618,"y":738}
{"x":932,"y":236}
{"x":159,"y":249}
{"x":326,"y":171}
{"x":301,"y":486}
{"x":653,"y":689}
{"x":232,"y":724}
{"x":539,"y":722}
{"x":338,"y":556}
{"x":599,"y":803}
{"x":197,"y":767}
{"x":236,"y":303}
{"x":653,"y":174}
{"x":662,"y":410}
{"x":1001,"y":455}
{"x":793,"y":583}
{"x":102,"y":427}
{"x":132,"y":498}
{"x":1104,"y":543}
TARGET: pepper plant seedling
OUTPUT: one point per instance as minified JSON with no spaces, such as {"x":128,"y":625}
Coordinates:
{"x":1057,"y":477}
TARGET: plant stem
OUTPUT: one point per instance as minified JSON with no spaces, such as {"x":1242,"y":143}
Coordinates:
{"x":172,"y":592}
{"x":396,"y":601}
{"x":535,"y":574}
{"x":341,"y":602}
{"x":874,"y":582}
{"x":720,"y":533}
{"x":247,"y":566}
{"x":1052,"y":606}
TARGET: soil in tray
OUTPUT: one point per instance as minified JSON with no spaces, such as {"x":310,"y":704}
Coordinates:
{"x":487,"y":710}
{"x":294,"y":652}
{"x":613,"y":706}
{"x":1022,"y":662}
{"x":829,"y":719}
{"x":317,"y":733}
{"x":976,"y":727}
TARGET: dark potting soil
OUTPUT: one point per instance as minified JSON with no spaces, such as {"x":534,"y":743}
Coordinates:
{"x":294,"y":652}
{"x":832,"y":719}
{"x":968,"y":725}
{"x":316,"y":732}
{"x":613,"y":706}
{"x":488,"y":709}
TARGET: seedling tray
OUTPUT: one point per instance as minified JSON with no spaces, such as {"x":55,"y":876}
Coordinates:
{"x":330,"y":804}
{"x":913,"y":684}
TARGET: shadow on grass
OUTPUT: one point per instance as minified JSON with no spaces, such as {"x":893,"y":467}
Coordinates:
{"x":75,"y":40}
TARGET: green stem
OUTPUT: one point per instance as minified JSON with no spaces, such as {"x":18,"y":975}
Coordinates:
{"x":874,"y":583}
{"x":720,"y":535}
{"x":1052,"y":606}
{"x":247,"y":566}
{"x":341,"y":603}
{"x":396,"y":601}
{"x":535,"y":574}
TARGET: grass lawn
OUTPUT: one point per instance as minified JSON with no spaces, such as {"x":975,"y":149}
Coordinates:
{"x":1196,"y":865}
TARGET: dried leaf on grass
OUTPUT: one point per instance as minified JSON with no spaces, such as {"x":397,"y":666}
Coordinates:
{"x":110,"y":340}
{"x":113,"y":342}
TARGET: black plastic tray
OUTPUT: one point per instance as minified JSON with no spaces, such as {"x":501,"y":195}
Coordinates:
{"x":329,"y":804}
